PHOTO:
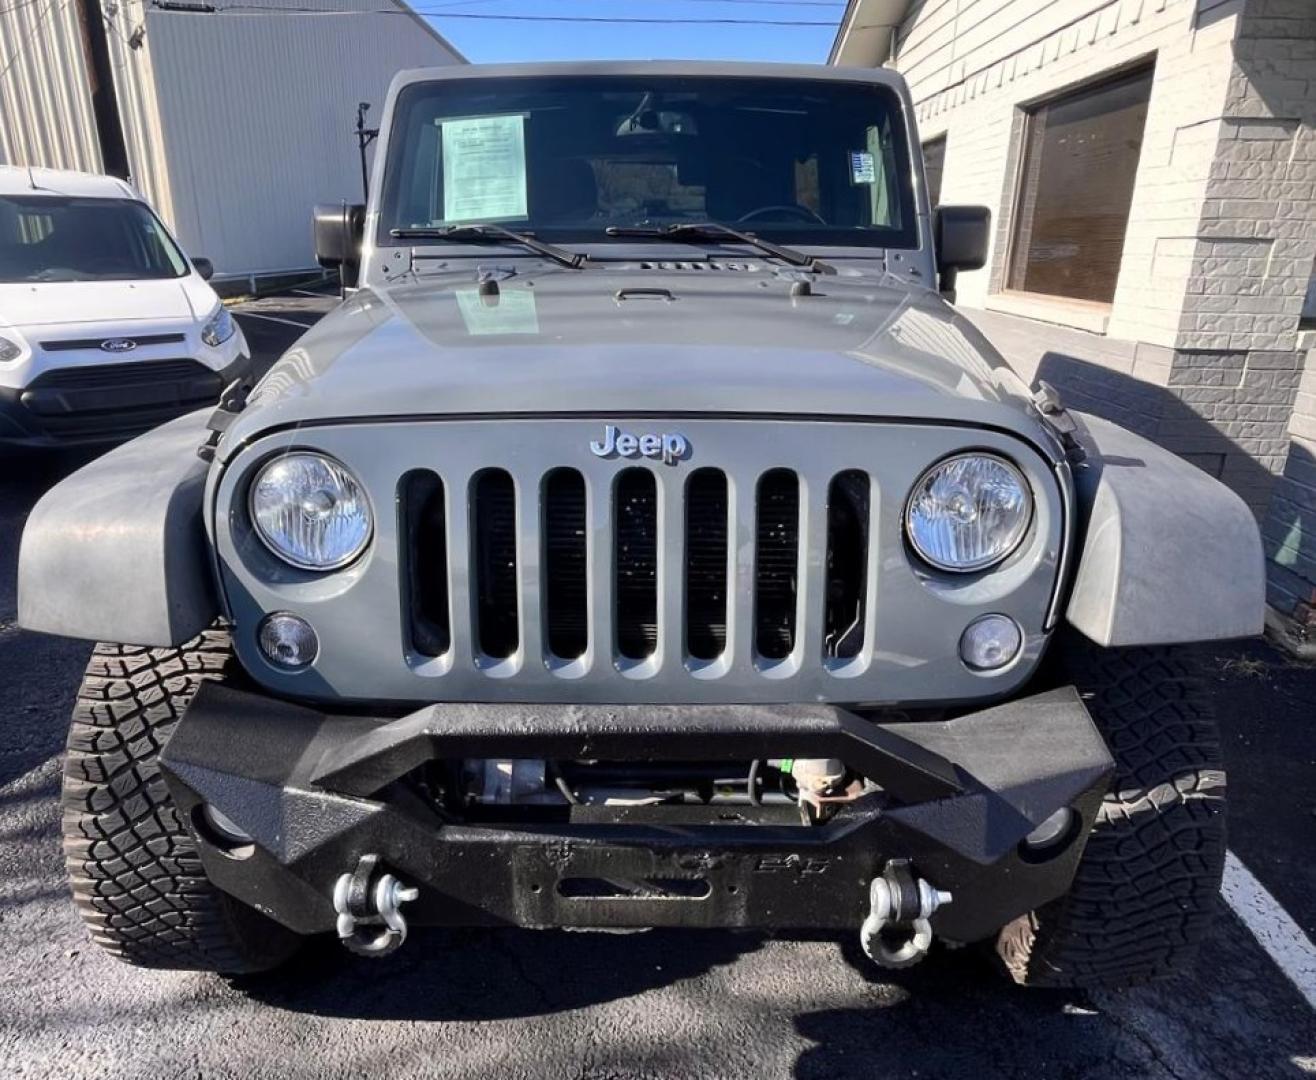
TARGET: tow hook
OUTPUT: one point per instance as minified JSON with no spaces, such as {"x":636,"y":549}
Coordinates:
{"x":897,"y":933}
{"x":364,"y":904}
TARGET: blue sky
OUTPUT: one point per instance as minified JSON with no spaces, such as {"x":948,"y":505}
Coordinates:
{"x":485,"y":41}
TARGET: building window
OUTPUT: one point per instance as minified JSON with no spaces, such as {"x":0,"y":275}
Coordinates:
{"x":934,"y":164}
{"x":1080,"y":158}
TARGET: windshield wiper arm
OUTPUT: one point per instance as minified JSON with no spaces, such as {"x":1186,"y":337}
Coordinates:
{"x":457,"y":233}
{"x":711,"y":230}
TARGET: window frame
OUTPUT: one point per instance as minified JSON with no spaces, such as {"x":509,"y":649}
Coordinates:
{"x":942,"y":140}
{"x":1095,"y":311}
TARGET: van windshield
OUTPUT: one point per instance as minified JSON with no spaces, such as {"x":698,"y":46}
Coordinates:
{"x":61,"y":238}
{"x":566,"y":157}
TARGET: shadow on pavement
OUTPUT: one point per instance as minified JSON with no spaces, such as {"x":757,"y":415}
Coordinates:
{"x":482,"y":974}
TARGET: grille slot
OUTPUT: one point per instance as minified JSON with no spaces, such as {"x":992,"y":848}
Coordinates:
{"x":635,"y":544}
{"x":425,"y":562}
{"x":776,"y":566}
{"x":137,"y":373}
{"x":566,"y":567}
{"x":847,"y":564}
{"x":81,"y":344}
{"x":493,"y":560}
{"x":706,"y":564}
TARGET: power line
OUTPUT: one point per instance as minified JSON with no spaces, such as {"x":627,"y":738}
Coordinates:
{"x":19,"y":6}
{"x":270,"y":9}
{"x":30,"y":38}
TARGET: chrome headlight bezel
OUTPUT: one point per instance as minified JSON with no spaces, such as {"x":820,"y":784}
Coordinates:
{"x":219,"y":327}
{"x":289,"y":554}
{"x":1014,"y":536}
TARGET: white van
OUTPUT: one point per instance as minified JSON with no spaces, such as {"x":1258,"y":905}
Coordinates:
{"x":106,"y":327}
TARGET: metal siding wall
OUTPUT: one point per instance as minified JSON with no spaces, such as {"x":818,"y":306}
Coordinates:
{"x":139,"y":113}
{"x":45,"y":100}
{"x":257,"y":115}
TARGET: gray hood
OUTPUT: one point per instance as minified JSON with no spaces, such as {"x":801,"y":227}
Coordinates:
{"x":642,"y":338}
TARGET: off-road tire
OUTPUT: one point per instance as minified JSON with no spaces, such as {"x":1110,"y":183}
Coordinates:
{"x":136,"y":876}
{"x":1145,"y":891}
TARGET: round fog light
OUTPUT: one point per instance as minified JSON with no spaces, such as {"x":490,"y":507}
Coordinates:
{"x":990,"y":642}
{"x":1054,"y":828}
{"x":288,"y":641}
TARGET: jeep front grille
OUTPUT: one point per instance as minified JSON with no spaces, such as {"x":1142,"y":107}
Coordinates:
{"x":635,"y":542}
{"x":509,"y":563}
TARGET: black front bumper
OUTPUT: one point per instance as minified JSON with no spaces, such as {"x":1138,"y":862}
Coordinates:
{"x":49,"y":415}
{"x":318,"y":792}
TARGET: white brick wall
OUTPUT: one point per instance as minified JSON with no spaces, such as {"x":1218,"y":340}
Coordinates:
{"x":971,"y":64}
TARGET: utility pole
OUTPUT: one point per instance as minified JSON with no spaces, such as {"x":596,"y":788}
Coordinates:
{"x":104,"y":98}
{"x":364,"y":137}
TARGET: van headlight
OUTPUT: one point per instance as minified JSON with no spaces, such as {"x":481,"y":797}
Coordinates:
{"x":219,"y":327}
{"x":9,"y":349}
{"x":968,"y":512}
{"x":310,"y":511}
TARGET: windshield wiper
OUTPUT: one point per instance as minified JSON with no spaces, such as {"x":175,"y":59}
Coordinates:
{"x":571,"y":259}
{"x":711,"y":230}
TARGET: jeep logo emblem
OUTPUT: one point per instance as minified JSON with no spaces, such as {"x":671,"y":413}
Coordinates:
{"x":670,"y":446}
{"x":118,"y":344}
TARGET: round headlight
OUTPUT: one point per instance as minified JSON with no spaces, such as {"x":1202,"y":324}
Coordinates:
{"x":310,"y":511}
{"x":968,"y":512}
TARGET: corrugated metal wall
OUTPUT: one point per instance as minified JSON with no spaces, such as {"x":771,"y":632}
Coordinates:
{"x":235,"y":124}
{"x":257,"y":111}
{"x":45,"y":100}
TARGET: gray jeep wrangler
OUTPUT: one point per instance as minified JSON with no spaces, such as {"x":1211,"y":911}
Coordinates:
{"x":645,"y":541}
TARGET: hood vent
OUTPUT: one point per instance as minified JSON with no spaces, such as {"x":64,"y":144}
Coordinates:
{"x":703,"y":266}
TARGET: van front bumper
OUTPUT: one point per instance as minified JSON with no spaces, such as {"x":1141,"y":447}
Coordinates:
{"x":316,"y":793}
{"x":68,"y":407}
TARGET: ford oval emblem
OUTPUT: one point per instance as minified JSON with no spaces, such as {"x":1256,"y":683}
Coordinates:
{"x":119,"y":344}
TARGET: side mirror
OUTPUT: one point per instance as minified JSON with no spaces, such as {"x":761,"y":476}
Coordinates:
{"x":338,"y":231}
{"x":960,"y":236}
{"x":204,"y":267}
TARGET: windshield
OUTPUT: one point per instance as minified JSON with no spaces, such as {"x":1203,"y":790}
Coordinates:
{"x":59,"y":238}
{"x":565,"y":157}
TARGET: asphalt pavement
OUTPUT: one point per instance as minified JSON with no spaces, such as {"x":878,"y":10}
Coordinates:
{"x":658,"y":1004}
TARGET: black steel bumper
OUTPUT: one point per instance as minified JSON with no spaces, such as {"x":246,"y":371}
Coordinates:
{"x":317,"y":792}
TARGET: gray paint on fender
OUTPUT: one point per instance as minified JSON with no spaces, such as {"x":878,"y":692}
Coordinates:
{"x":1170,"y":554}
{"x":118,"y":551}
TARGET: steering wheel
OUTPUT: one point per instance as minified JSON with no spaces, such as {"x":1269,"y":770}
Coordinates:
{"x":789,"y":210}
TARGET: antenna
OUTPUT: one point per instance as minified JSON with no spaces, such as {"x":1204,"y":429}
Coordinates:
{"x":31,"y":179}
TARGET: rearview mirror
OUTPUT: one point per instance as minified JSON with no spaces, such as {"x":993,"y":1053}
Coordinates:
{"x":960,"y":236}
{"x":204,"y":267}
{"x":338,"y":231}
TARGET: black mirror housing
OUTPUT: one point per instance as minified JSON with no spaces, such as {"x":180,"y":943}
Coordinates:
{"x":961,"y":236}
{"x":204,"y":267}
{"x":338,"y":230}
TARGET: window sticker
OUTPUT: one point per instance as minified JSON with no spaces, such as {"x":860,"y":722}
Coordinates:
{"x":484,"y":176}
{"x":862,"y":168}
{"x":513,"y":312}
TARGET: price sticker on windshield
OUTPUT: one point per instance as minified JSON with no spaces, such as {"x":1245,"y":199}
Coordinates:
{"x":862,"y":168}
{"x":484,"y":176}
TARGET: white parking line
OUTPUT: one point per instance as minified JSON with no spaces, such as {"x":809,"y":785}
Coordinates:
{"x":273,"y":318}
{"x":1275,"y":931}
